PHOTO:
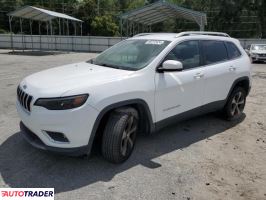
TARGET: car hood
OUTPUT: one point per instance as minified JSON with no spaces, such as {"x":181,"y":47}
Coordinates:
{"x":59,"y":80}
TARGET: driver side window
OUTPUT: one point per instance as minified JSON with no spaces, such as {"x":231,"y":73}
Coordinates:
{"x":187,"y":53}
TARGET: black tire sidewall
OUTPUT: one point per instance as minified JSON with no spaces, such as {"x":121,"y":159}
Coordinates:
{"x":112,"y":136}
{"x":227,"y":109}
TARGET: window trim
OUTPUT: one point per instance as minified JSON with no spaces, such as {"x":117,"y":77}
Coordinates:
{"x":226,"y":45}
{"x":202,"y":64}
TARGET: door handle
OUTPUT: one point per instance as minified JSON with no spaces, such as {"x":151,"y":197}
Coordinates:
{"x":232,"y":69}
{"x":199,"y":75}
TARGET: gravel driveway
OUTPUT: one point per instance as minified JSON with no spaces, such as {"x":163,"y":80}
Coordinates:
{"x":203,"y":158}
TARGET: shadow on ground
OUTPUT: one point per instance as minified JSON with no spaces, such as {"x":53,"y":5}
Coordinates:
{"x":34,"y":53}
{"x":23,"y":166}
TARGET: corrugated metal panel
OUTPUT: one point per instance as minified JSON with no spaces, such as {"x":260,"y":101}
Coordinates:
{"x":39,"y":14}
{"x":160,"y":11}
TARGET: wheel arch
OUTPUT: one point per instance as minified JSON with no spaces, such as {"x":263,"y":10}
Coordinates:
{"x":140,"y":105}
{"x":243,"y":82}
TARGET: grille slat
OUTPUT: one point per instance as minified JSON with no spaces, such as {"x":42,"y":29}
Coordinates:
{"x":29,"y":101}
{"x":19,"y":94}
{"x":24,"y":99}
{"x":20,"y":97}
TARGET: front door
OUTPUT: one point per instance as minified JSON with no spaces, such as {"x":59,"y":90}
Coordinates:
{"x":178,"y":92}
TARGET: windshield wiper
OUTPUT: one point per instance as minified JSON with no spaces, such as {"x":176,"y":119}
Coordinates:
{"x":112,"y":66}
{"x":108,"y":65}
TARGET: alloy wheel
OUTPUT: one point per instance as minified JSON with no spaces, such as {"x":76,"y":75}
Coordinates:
{"x":129,"y":136}
{"x":238,"y":104}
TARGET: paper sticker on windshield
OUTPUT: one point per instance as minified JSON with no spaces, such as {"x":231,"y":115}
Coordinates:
{"x":154,"y":42}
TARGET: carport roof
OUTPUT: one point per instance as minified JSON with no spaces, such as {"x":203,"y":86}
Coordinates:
{"x":162,"y":10}
{"x":39,"y":14}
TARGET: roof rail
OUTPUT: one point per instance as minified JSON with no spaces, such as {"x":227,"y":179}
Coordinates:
{"x":202,"y":33}
{"x":142,"y":34}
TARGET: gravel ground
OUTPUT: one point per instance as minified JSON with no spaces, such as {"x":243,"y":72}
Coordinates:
{"x":203,"y":158}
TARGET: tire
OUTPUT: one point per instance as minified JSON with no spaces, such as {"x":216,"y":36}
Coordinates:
{"x":235,"y":105}
{"x":119,"y":135}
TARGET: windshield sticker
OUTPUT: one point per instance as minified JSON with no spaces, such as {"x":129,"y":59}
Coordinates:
{"x":155,"y":42}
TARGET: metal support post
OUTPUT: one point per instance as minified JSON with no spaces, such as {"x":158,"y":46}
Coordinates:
{"x":22,"y":34}
{"x":31,"y":35}
{"x":11,"y":33}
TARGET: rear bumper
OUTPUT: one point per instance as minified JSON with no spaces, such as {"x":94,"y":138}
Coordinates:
{"x":35,"y":141}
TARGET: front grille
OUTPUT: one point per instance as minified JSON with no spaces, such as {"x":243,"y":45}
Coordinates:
{"x":24,"y":99}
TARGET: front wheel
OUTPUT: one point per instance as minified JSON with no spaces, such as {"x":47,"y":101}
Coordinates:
{"x":120,"y":135}
{"x":235,"y":104}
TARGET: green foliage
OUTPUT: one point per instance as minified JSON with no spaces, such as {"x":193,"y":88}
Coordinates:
{"x":104,"y":25}
{"x":2,"y":31}
{"x":239,"y":18}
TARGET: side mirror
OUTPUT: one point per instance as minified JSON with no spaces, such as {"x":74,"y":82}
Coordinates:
{"x":170,"y":66}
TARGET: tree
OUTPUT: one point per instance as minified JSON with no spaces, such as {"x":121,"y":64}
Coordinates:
{"x":239,"y":18}
{"x":104,"y":25}
{"x":86,"y":12}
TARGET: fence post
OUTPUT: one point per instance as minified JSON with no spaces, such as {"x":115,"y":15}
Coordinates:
{"x":89,"y":43}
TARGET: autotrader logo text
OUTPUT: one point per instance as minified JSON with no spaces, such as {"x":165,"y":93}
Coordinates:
{"x":27,"y":193}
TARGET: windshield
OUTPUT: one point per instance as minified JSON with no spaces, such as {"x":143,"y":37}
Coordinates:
{"x":131,"y":54}
{"x":259,"y":47}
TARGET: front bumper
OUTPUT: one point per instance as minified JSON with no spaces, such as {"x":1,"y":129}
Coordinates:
{"x":35,"y":141}
{"x":75,"y":124}
{"x":258,"y":58}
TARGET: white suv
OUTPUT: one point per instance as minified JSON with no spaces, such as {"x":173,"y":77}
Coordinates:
{"x":139,"y":85}
{"x":257,"y":52}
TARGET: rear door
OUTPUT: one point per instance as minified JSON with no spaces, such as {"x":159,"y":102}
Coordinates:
{"x":219,"y":71}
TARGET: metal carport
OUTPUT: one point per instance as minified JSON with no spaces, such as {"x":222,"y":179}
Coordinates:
{"x":41,"y":15}
{"x":157,"y":12}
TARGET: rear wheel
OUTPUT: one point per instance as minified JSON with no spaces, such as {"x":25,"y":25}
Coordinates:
{"x":235,"y":104}
{"x":120,"y":135}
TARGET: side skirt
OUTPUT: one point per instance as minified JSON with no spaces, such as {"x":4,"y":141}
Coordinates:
{"x":211,"y":107}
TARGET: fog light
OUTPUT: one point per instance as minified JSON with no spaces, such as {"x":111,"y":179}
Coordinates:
{"x":56,"y":136}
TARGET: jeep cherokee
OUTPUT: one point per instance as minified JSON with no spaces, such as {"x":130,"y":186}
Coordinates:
{"x":139,"y":85}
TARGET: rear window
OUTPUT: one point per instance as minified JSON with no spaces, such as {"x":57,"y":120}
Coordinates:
{"x":233,"y":51}
{"x":214,"y":51}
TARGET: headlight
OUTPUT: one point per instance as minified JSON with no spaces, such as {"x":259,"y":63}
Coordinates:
{"x":254,"y":54}
{"x":62,"y":103}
